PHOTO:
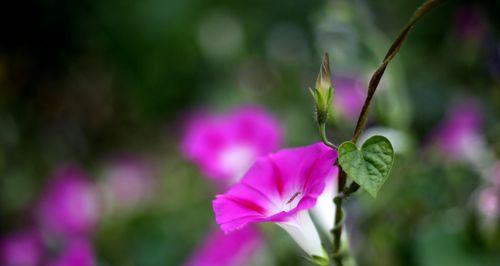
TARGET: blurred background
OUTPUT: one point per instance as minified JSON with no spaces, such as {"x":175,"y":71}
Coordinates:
{"x":96,"y":98}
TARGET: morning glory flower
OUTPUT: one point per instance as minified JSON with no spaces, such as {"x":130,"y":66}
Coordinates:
{"x":77,"y":252}
{"x":69,"y":204}
{"x":233,"y":249}
{"x":280,"y":188}
{"x":459,"y":137}
{"x":225,"y":146}
{"x":21,"y":248}
{"x":324,"y":210}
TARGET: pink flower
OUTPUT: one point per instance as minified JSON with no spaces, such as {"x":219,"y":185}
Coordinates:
{"x":78,"y":252}
{"x":459,"y":136}
{"x":127,"y":182}
{"x":488,"y":202}
{"x":224,"y":146}
{"x":324,"y":210}
{"x":280,"y":188}
{"x":234,"y":249}
{"x":24,"y":248}
{"x":349,"y":97}
{"x":69,"y":204}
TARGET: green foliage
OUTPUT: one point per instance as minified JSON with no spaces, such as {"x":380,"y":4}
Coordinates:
{"x":319,"y":261}
{"x":323,"y":101}
{"x":371,"y":165}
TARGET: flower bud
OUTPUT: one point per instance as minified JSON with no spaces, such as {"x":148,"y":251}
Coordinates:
{"x":323,"y":92}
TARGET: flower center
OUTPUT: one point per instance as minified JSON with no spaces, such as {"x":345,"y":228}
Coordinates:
{"x":292,"y":202}
{"x":293,"y":197}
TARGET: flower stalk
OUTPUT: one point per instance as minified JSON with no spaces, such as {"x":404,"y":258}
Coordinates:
{"x":343,"y":190}
{"x":324,"y":138}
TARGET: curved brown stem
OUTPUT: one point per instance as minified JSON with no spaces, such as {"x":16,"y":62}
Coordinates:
{"x":363,"y":118}
{"x":391,"y":53}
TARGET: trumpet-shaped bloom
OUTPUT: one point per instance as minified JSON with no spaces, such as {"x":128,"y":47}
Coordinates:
{"x":234,"y":249}
{"x":21,"y":248}
{"x":280,"y":188}
{"x":224,"y":146}
{"x":78,"y":252}
{"x":69,"y":205}
{"x":324,"y":210}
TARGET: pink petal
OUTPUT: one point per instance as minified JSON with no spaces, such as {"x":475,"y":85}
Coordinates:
{"x":69,"y":204}
{"x":78,"y":252}
{"x":234,"y":249}
{"x":276,"y":187}
{"x":21,"y":248}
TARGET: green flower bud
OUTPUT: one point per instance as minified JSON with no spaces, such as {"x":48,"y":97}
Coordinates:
{"x":323,"y":92}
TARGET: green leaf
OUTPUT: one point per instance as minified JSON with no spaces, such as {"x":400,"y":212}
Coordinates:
{"x":371,"y":165}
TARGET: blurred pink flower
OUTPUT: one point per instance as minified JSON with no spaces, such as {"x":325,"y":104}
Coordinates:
{"x":224,"y":146}
{"x":78,"y":252}
{"x":280,"y":188}
{"x":489,"y":202}
{"x":127,"y":182}
{"x":349,"y":97}
{"x":234,"y":249}
{"x":23,"y":248}
{"x":69,"y":204}
{"x":459,"y":136}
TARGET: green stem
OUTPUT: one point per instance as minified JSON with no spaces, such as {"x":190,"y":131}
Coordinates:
{"x":343,"y":192}
{"x":339,"y":218}
{"x":324,"y":138}
{"x":391,"y":53}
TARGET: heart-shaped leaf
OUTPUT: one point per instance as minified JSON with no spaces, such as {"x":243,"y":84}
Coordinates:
{"x":371,"y":165}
